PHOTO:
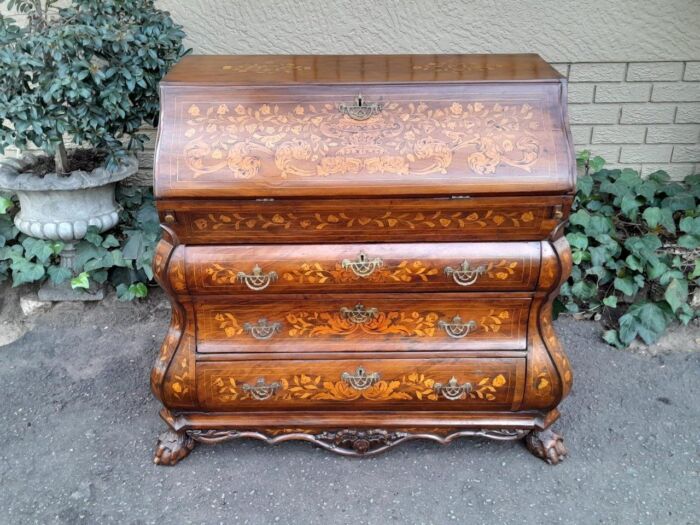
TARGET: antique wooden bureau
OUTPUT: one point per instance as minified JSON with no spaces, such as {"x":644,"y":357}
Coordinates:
{"x":362,"y":250}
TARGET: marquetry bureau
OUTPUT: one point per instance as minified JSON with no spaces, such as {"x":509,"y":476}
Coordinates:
{"x":362,"y":250}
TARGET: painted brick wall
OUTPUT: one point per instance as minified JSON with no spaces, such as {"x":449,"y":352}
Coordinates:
{"x":640,"y":115}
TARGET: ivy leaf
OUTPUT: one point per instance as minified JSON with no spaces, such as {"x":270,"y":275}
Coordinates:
{"x":660,"y":177}
{"x":134,"y":246}
{"x":99,"y":276}
{"x":584,"y":290}
{"x":5,"y":204}
{"x":24,"y":271}
{"x":634,"y":263}
{"x":680,"y":201}
{"x":584,"y":185}
{"x":610,"y":301}
{"x":93,"y":236}
{"x":644,"y":247}
{"x":690,"y":242}
{"x":630,"y":206}
{"x":132,"y":291}
{"x":58,"y":274}
{"x":56,"y":247}
{"x":652,"y":216}
{"x":80,"y":281}
{"x":139,"y":290}
{"x":38,"y":248}
{"x":667,"y":220}
{"x":599,"y":225}
{"x":612,"y":338}
{"x":110,"y":241}
{"x":580,"y":218}
{"x":646,"y":320}
{"x":676,"y":293}
{"x":577,"y":240}
{"x":86,"y":251}
{"x":577,"y":256}
{"x":626,"y":285}
{"x":596,"y":164}
{"x":690,"y":225}
{"x":696,"y":269}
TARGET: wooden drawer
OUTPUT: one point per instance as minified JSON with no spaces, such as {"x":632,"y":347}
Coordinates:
{"x":263,"y":270}
{"x":413,"y":384}
{"x":313,"y":221}
{"x":351,"y":322}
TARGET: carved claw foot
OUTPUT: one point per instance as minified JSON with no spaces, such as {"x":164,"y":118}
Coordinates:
{"x":546,"y":445}
{"x":172,"y":447}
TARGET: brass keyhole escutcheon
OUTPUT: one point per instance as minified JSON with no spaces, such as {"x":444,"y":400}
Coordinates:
{"x":360,"y":109}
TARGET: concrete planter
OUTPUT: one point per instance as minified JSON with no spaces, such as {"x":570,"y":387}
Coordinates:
{"x":62,"y":208}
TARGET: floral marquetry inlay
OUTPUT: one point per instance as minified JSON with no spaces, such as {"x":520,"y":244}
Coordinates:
{"x":439,"y":220}
{"x":293,"y":141}
{"x":266,"y":67}
{"x":405,"y":271}
{"x":347,"y":321}
{"x":410,"y":387}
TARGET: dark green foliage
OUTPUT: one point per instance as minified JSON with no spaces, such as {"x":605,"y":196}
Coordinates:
{"x":121,"y":257}
{"x":89,"y":70}
{"x":636,"y":249}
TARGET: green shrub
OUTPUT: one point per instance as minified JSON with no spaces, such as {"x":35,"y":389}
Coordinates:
{"x":88,"y":69}
{"x":121,"y":257}
{"x":636,"y":250}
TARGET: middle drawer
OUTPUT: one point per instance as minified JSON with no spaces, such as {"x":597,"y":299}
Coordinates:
{"x":266,"y":269}
{"x":368,"y":322}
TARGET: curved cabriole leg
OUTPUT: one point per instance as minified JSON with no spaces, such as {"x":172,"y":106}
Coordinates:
{"x":172,"y":447}
{"x":547,"y":445}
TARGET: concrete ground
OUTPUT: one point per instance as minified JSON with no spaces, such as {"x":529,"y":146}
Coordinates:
{"x":78,"y":425}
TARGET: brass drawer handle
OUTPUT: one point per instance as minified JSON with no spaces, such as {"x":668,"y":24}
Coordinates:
{"x":362,"y":266}
{"x":257,"y":280}
{"x":360,"y":110}
{"x":263,"y":329}
{"x":464,"y":275}
{"x":361,"y":380}
{"x":359,"y":314}
{"x":452,"y":390}
{"x":261,"y":390}
{"x":456,"y":328}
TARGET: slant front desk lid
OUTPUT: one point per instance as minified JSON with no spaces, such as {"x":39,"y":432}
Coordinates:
{"x":289,"y":126}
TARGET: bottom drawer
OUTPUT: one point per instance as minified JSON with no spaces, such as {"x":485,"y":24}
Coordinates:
{"x":367,"y":384}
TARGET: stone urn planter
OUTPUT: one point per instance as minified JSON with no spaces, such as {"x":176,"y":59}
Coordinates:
{"x":62,"y":208}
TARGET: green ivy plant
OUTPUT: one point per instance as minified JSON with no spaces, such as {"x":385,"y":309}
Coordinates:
{"x":636,"y":251}
{"x":122,"y":257}
{"x":88,"y":69}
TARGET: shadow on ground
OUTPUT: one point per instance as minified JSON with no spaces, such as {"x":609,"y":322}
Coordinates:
{"x":78,"y":425}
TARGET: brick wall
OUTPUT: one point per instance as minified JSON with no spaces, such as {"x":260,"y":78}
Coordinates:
{"x":640,"y":115}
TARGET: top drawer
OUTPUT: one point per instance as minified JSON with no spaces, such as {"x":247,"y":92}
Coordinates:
{"x":233,"y":141}
{"x":445,"y":267}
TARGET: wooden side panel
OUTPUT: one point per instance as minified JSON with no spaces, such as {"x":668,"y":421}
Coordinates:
{"x":369,"y":220}
{"x":264,"y":270}
{"x":386,"y":322}
{"x":370,"y":384}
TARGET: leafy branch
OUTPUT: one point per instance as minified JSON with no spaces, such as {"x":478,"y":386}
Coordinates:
{"x":636,"y":251}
